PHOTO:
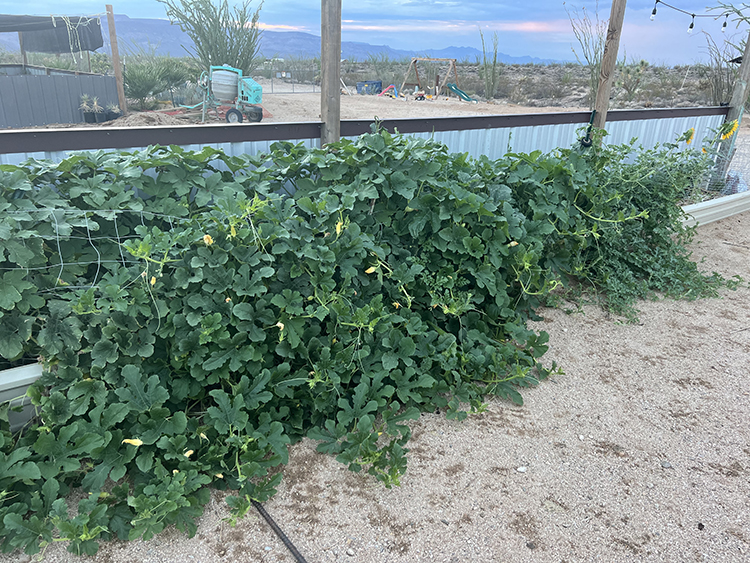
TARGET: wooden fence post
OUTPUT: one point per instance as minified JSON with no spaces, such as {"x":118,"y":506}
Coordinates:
{"x":23,"y":51}
{"x":116,"y":60}
{"x":609,"y":60}
{"x":736,"y":106}
{"x":330,"y":71}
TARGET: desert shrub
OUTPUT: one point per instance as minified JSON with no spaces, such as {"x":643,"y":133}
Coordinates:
{"x":228,"y":306}
{"x":220,"y":34}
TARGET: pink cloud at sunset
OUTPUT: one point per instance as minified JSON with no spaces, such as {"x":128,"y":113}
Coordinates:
{"x":552,"y":26}
{"x":280,"y":27}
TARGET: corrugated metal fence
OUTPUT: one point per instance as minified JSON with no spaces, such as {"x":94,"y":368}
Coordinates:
{"x":30,"y":100}
{"x":493,"y":136}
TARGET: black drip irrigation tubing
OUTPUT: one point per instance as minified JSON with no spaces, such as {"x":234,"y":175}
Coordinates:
{"x":282,"y":536}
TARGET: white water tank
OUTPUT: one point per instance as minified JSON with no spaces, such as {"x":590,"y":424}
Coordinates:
{"x":224,"y":85}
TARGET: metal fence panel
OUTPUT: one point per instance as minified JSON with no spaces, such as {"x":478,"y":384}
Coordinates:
{"x":231,"y":149}
{"x":494,"y":141}
{"x":32,"y":100}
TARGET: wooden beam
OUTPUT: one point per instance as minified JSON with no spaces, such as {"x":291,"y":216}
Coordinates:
{"x":609,"y":61}
{"x":23,"y":51}
{"x":739,"y":95}
{"x":736,"y":108}
{"x":330,"y":71}
{"x":406,"y":76}
{"x":116,"y":60}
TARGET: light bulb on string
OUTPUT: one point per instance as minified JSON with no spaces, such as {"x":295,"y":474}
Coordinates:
{"x":724,"y":25}
{"x":692,"y":25}
{"x":653,"y":14}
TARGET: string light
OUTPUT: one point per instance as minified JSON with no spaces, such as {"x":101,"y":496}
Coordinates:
{"x":691,"y":27}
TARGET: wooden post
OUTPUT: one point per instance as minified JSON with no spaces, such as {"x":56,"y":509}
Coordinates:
{"x":609,"y":60}
{"x":736,"y":106}
{"x":23,"y":51}
{"x":116,"y":60}
{"x":739,"y":95}
{"x":330,"y":71}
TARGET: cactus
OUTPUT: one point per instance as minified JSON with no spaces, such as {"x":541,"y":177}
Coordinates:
{"x":630,"y":77}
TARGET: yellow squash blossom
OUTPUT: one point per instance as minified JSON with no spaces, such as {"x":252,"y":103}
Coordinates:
{"x":370,"y":270}
{"x":134,"y":442}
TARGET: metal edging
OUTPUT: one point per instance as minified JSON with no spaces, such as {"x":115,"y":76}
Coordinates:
{"x":51,"y":140}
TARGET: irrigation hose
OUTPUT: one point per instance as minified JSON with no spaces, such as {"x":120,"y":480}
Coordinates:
{"x":586,"y":142}
{"x":282,"y":535}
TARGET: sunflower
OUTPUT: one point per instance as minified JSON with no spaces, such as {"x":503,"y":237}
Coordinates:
{"x":728,"y":129}
{"x":689,"y":134}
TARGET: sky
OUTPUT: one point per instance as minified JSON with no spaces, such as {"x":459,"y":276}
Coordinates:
{"x":539,"y":28}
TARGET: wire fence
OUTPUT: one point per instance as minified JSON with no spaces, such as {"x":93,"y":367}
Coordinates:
{"x":738,"y":170}
{"x":79,"y":246}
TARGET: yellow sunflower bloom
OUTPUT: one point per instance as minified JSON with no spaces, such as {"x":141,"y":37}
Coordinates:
{"x":690,"y":134}
{"x":728,"y":129}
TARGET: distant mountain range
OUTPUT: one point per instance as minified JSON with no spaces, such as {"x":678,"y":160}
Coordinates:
{"x":168,"y":39}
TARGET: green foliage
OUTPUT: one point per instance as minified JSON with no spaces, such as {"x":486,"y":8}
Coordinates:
{"x":630,"y":76}
{"x":147,"y":75}
{"x":221,"y":35}
{"x":490,"y":69}
{"x":142,"y":80}
{"x":591,"y":35}
{"x":197,"y":312}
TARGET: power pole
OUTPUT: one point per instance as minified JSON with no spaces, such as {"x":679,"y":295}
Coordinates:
{"x":609,"y":61}
{"x":116,"y":60}
{"x":330,"y":71}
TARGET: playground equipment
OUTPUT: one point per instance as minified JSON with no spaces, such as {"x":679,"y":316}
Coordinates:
{"x":418,"y":83}
{"x":460,"y":93}
{"x":225,"y":85}
{"x":390,"y":91}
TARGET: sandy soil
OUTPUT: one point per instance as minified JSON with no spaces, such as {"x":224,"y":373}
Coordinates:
{"x":306,"y":107}
{"x":639,"y":452}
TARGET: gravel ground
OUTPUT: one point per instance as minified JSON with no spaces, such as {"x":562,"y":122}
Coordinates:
{"x":639,"y":452}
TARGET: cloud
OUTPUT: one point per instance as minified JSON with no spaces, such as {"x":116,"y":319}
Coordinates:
{"x":437,"y":26}
{"x":551,"y":26}
{"x":281,"y":27}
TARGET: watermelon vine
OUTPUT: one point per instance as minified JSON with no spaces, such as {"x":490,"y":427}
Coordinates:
{"x":196,"y":313}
